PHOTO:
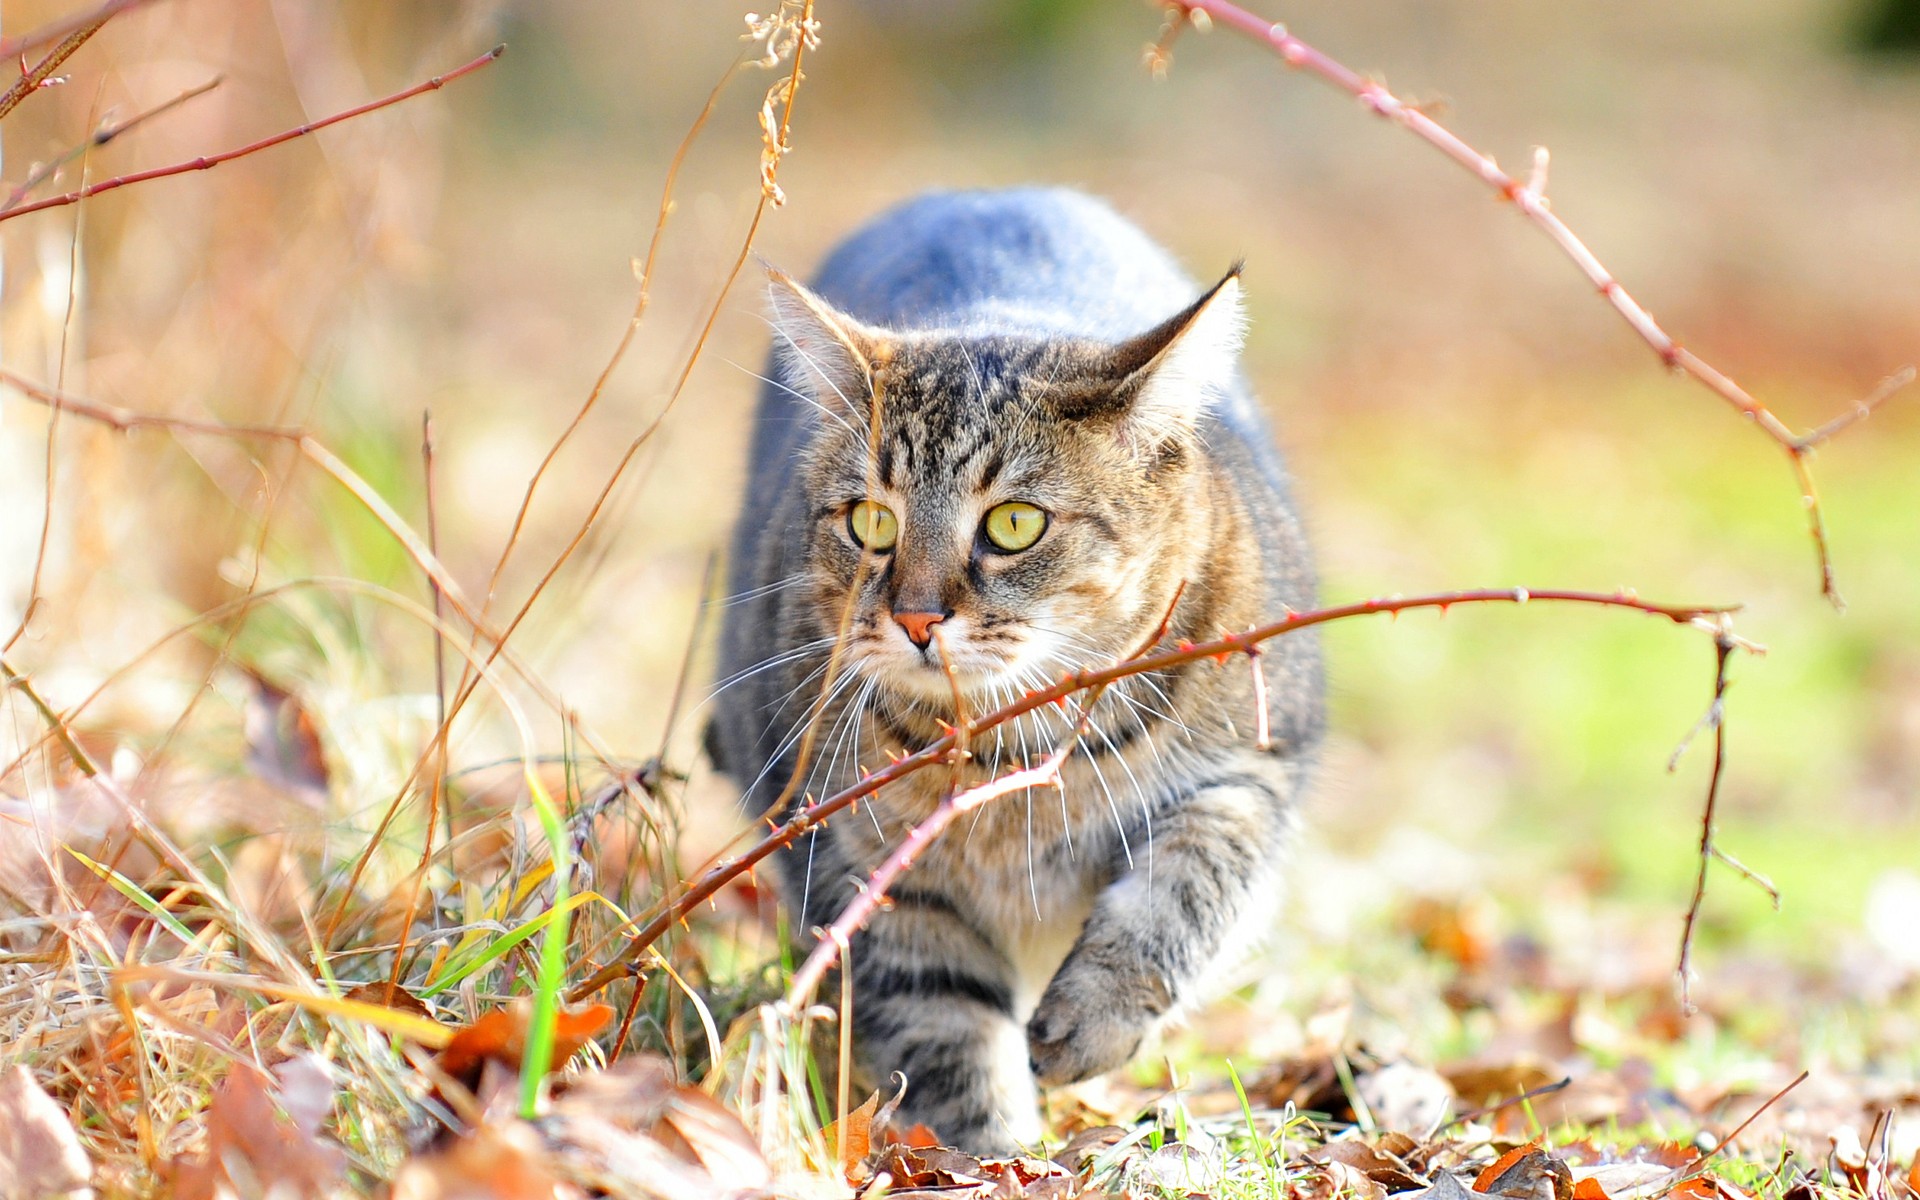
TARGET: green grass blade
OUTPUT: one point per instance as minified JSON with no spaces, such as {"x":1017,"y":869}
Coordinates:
{"x":132,"y":891}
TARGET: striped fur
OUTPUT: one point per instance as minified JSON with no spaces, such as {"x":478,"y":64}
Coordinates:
{"x":962,"y":351}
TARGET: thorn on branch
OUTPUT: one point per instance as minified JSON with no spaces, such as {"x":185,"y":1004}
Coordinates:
{"x":1537,"y":180}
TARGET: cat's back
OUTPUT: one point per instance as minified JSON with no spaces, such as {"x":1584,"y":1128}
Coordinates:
{"x":1028,"y":260}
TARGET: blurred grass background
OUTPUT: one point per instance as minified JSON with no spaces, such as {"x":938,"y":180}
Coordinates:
{"x":1459,"y":408}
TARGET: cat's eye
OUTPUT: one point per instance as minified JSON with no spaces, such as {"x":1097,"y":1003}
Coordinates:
{"x":873,"y":526}
{"x":1015,"y":525}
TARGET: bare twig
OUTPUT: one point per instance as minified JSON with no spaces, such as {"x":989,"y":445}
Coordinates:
{"x":1724,"y":644}
{"x":105,"y":133}
{"x":1529,"y":200}
{"x":34,"y":78}
{"x":834,"y":939}
{"x":66,"y":26}
{"x":1545,"y":1089}
{"x":1889,"y":387}
{"x":1694,"y":1168}
{"x":315,"y":452}
{"x":721,"y":873}
{"x":208,"y":162}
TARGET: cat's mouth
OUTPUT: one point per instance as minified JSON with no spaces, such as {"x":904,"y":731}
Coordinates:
{"x":986,"y":676}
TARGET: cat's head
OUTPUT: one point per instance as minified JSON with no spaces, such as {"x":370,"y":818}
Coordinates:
{"x":1019,"y":503}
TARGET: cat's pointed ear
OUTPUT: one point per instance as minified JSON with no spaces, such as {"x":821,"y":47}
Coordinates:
{"x":1173,"y":371}
{"x":823,"y":351}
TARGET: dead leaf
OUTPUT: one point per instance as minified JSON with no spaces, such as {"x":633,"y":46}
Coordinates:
{"x":1526,"y":1173}
{"x":386,"y":995}
{"x":1620,"y":1180}
{"x":501,"y":1036}
{"x":697,"y":1127}
{"x":283,"y":740}
{"x":40,"y":1154}
{"x":1849,"y":1159}
{"x":852,"y":1136}
{"x":501,"y":1161}
{"x":1446,"y":1186}
{"x":639,"y":1100}
{"x":1406,"y":1097}
{"x":1375,"y":1162}
{"x":1089,"y":1144}
{"x":252,"y":1147}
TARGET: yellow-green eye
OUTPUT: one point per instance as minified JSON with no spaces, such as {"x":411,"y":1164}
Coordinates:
{"x":873,"y":526}
{"x":1015,"y":526}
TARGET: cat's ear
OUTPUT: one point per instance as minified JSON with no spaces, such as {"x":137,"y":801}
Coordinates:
{"x":824,"y":352}
{"x":1172,"y":372}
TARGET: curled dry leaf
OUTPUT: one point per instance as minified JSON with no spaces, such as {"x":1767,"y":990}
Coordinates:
{"x":40,"y":1154}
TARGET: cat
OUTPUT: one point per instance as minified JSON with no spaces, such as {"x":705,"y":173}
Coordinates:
{"x":1003,"y":431}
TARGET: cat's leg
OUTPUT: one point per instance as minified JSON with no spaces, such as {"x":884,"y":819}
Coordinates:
{"x":933,"y":999}
{"x":1205,"y":886}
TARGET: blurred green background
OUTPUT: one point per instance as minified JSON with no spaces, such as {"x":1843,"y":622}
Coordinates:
{"x":1460,"y":409}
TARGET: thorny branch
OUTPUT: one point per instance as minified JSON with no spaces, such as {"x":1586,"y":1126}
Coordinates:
{"x":834,"y":940}
{"x":1530,"y":200}
{"x":1220,"y":649}
{"x":38,"y":76}
{"x":209,"y":161}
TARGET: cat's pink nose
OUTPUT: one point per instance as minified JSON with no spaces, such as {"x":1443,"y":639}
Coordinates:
{"x":919,"y":626}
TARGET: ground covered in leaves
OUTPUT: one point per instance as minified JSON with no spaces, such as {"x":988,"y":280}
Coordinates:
{"x":1526,"y":1048}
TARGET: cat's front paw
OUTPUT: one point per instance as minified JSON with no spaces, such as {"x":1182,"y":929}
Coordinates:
{"x":1091,"y":1020}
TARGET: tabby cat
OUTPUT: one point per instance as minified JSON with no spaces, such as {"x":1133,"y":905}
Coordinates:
{"x":1000,"y":428}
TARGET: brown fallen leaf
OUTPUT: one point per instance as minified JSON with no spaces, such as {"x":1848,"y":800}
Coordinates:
{"x":283,"y":740}
{"x":1526,"y":1173}
{"x":500,"y":1161}
{"x":253,"y":1147}
{"x":640,"y":1099}
{"x":386,"y":995}
{"x":40,"y":1154}
{"x":701,"y":1130}
{"x":852,"y":1136}
{"x":1374,"y":1161}
{"x":501,"y":1036}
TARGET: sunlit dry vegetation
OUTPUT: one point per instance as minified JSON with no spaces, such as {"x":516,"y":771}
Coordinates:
{"x":362,"y":483}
